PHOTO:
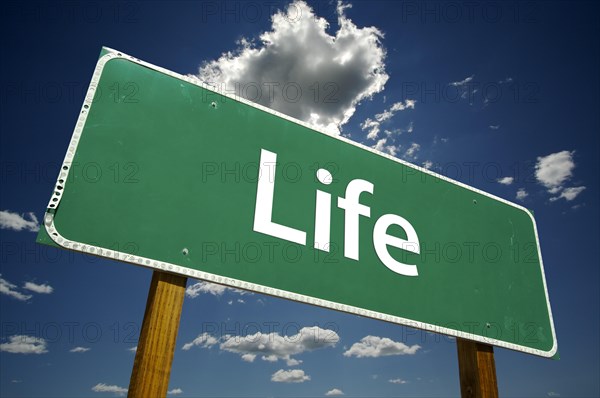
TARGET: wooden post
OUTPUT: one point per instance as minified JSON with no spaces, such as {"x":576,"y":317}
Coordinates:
{"x":156,"y":346}
{"x":476,"y":369}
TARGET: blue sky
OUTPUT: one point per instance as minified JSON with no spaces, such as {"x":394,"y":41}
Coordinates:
{"x":501,"y":96}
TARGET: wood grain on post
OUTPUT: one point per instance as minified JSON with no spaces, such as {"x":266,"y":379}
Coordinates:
{"x":156,"y":346}
{"x":477,"y":370}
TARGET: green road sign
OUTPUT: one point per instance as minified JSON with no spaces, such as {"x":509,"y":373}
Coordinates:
{"x":164,"y":172}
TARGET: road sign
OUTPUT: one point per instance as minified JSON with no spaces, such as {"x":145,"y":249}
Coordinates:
{"x":165,"y":172}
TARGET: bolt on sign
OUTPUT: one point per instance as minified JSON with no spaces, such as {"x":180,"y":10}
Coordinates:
{"x":165,"y":172}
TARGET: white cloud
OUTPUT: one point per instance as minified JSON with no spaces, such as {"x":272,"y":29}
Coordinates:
{"x":21,"y":344}
{"x":17,"y":222}
{"x":80,"y":349}
{"x":389,"y":149}
{"x":462,"y":82}
{"x":397,"y":381}
{"x":270,"y":347}
{"x":293,"y":362}
{"x":428,"y":164}
{"x":522,"y":194}
{"x":10,"y":290}
{"x":507,"y":80}
{"x":204,"y":340}
{"x":553,"y":394}
{"x":334,"y":393}
{"x":373,"y":126}
{"x":101,"y":387}
{"x":554,"y":170}
{"x":506,"y":180}
{"x":495,"y":126}
{"x":196,"y":289}
{"x":301,"y":70}
{"x":132,"y":349}
{"x":273,"y":347}
{"x":373,"y":346}
{"x":175,"y":391}
{"x":411,"y":152}
{"x":568,"y":194}
{"x":248,"y":357}
{"x":289,"y":376}
{"x":41,"y":289}
{"x":199,"y":288}
{"x":398,"y":106}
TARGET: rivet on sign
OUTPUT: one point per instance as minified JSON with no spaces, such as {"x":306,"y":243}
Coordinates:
{"x":185,"y":251}
{"x":213,"y":104}
{"x":474,"y":201}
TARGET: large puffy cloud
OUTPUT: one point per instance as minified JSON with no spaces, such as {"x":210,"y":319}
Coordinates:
{"x":301,"y":70}
{"x":373,"y":346}
{"x":270,"y":347}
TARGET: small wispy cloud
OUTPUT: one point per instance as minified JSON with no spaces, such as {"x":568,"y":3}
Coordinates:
{"x":506,"y":180}
{"x":22,"y":344}
{"x":102,"y":387}
{"x":568,"y":194}
{"x":41,"y":289}
{"x":462,"y":82}
{"x":175,"y":391}
{"x":11,"y":290}
{"x":521,"y":194}
{"x":204,"y":340}
{"x":397,"y":381}
{"x":214,"y":289}
{"x":18,"y":222}
{"x":290,"y":376}
{"x":411,"y":152}
{"x":374,"y":347}
{"x":79,"y":349}
{"x":494,"y":126}
{"x":373,"y":127}
{"x":382,"y":146}
{"x":336,"y":392}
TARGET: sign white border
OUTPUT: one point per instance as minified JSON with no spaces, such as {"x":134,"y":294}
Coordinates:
{"x":235,"y":283}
